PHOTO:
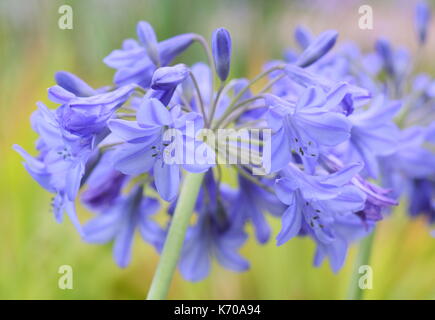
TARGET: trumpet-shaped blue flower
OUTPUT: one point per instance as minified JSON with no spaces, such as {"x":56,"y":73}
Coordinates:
{"x":303,"y":127}
{"x":147,"y":146}
{"x":71,"y":83}
{"x":251,"y":204}
{"x":217,"y":233}
{"x":347,"y":229}
{"x":148,"y":38}
{"x":373,"y":134}
{"x":167,"y":78}
{"x":104,"y":184}
{"x":410,"y":161}
{"x":120,"y":222}
{"x":328,"y":139}
{"x":85,"y":116}
{"x":132,"y":61}
{"x":60,"y":165}
{"x":315,"y":201}
{"x":377,"y":198}
{"x":322,"y":207}
{"x":411,"y":170}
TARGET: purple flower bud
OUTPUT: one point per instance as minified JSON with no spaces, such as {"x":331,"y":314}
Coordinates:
{"x":317,"y":48}
{"x":148,"y":38}
{"x":166,"y":78}
{"x":221,"y":47}
{"x":422,"y":18}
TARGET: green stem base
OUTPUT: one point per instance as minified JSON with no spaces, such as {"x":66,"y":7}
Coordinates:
{"x":174,"y":241}
{"x":363,"y":258}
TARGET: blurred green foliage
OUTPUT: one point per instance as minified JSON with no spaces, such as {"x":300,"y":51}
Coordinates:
{"x":33,"y":246}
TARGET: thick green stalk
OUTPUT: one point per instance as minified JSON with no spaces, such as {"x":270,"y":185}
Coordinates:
{"x":363,"y":258}
{"x":174,"y":241}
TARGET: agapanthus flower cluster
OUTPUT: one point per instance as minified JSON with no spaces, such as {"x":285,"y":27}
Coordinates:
{"x":342,"y":136}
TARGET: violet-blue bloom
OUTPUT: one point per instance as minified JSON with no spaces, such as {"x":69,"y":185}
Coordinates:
{"x":216,"y":233}
{"x":305,"y":125}
{"x":85,"y":116}
{"x":373,"y":134}
{"x":328,"y":139}
{"x":147,"y":37}
{"x":165,"y":81}
{"x":169,"y":77}
{"x":74,"y":84}
{"x":377,"y":198}
{"x":147,"y":147}
{"x":316,"y":201}
{"x":60,"y":165}
{"x":251,"y":204}
{"x":347,"y":229}
{"x":120,"y":222}
{"x":410,"y":161}
{"x":104,"y":184}
{"x":133,"y":64}
{"x":356,"y":96}
{"x":411,"y":170}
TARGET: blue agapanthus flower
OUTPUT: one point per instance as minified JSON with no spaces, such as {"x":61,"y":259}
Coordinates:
{"x":60,"y":165}
{"x":315,"y":201}
{"x":147,"y":147}
{"x":305,"y":125}
{"x":252,"y":203}
{"x":217,"y":233}
{"x":373,"y":134}
{"x":347,"y":229}
{"x":135,"y":61}
{"x":85,"y":116}
{"x":120,"y":221}
{"x":104,"y":184}
{"x":327,"y":122}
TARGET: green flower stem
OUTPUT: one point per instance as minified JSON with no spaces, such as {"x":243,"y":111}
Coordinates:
{"x":201,"y":40}
{"x":230,"y":108}
{"x":215,"y":102}
{"x":174,"y":241}
{"x":201,"y":101}
{"x":363,"y":258}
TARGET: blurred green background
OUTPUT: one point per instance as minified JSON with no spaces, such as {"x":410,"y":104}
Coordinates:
{"x":33,"y":246}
